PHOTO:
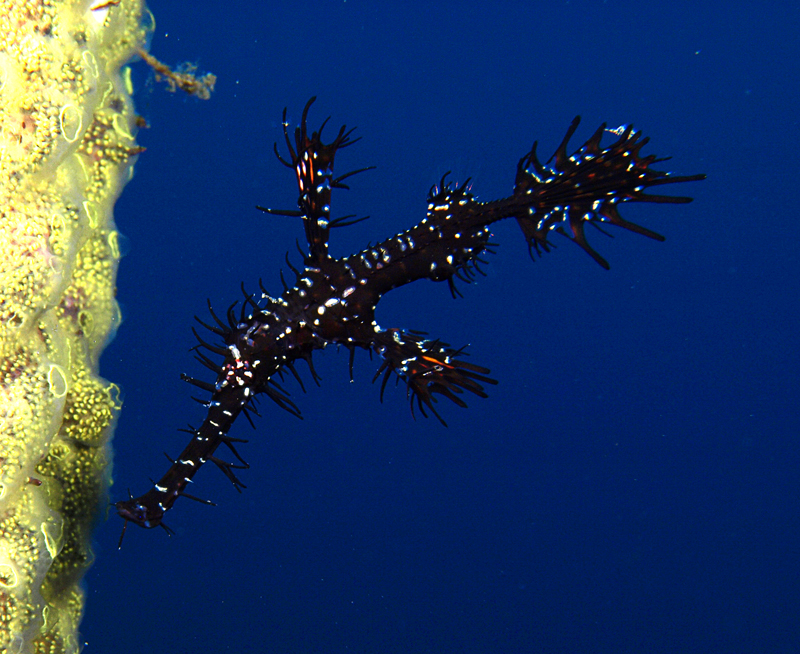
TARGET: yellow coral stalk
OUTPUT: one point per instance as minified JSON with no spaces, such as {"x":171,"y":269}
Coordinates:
{"x":66,"y":151}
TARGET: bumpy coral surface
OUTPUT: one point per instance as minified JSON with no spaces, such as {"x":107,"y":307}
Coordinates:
{"x":66,"y":149}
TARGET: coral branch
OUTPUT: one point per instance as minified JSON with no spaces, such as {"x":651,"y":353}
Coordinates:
{"x":66,"y":147}
{"x":183,"y":77}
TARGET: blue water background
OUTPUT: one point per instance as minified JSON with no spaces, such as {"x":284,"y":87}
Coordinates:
{"x":632,"y":483}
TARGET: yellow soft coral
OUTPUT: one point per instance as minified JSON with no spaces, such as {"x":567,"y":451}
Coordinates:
{"x":66,"y":148}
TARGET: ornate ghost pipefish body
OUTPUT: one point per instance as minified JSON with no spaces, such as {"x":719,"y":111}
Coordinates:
{"x":333,"y":300}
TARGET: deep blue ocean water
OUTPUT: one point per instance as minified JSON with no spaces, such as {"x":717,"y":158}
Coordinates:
{"x":632,"y":483}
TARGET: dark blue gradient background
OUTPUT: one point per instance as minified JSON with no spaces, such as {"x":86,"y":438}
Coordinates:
{"x":632,"y":483}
